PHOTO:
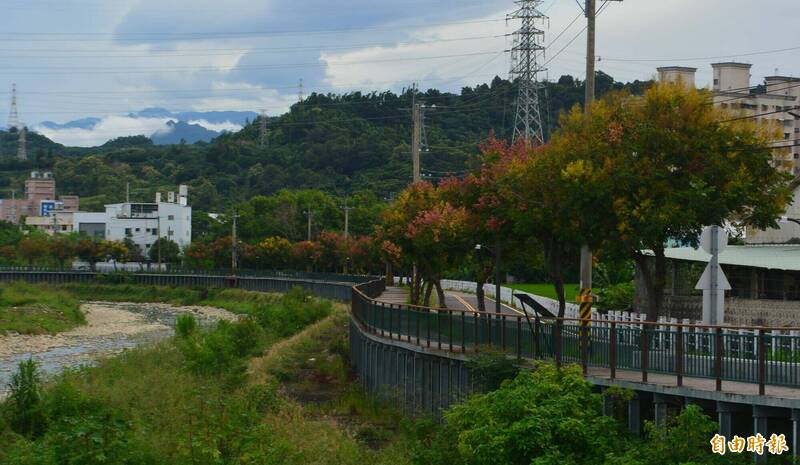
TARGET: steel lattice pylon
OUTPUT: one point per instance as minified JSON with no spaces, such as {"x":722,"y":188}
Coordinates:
{"x":13,"y":117}
{"x":525,"y":66}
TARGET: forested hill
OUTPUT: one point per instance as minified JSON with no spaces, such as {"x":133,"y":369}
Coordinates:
{"x":338,"y":143}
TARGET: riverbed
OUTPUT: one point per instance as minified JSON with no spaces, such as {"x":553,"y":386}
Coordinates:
{"x":111,"y":328}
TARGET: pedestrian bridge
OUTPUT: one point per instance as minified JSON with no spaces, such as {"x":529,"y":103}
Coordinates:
{"x":748,"y":378}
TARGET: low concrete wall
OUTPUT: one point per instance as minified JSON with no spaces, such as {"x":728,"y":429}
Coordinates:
{"x":418,"y":380}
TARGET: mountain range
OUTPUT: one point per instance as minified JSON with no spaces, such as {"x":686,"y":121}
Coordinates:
{"x":188,"y":126}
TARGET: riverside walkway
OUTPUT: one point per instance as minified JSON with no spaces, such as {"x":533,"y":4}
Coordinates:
{"x":747,"y":378}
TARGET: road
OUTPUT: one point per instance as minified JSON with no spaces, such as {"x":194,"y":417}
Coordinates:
{"x":455,"y":300}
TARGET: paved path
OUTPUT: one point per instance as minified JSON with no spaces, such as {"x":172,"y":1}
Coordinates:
{"x":455,"y":300}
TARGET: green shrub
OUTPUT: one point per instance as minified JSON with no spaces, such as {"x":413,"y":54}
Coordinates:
{"x":489,"y":368}
{"x":26,"y":417}
{"x":185,"y":325}
{"x":617,"y":296}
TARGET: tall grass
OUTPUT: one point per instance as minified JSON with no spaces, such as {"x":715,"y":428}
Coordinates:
{"x":37,"y":309}
{"x":186,"y":401}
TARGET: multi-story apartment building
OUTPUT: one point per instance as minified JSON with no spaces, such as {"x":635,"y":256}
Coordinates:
{"x":777,"y":100}
{"x":143,"y":223}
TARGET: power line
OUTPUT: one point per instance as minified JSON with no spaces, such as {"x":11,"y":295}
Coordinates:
{"x":255,"y":50}
{"x":733,"y":55}
{"x":183,"y":69}
{"x":184,"y":36}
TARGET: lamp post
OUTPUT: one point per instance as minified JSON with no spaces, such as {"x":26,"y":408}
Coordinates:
{"x":479,"y":247}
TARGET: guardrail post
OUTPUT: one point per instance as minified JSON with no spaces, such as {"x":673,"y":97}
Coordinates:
{"x":477,"y":330}
{"x":645,"y":346}
{"x":450,"y":338}
{"x":519,"y":338}
{"x":762,"y":362}
{"x":463,"y":331}
{"x":679,"y":355}
{"x":718,"y":358}
{"x":503,"y":332}
{"x":612,"y":349}
{"x":557,"y":349}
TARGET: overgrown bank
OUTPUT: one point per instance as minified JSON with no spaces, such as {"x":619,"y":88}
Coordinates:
{"x":192,"y":400}
{"x":31,"y":309}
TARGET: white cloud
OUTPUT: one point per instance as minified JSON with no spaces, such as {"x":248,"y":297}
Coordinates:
{"x":219,"y":127}
{"x":108,"y":128}
{"x":382,"y":67}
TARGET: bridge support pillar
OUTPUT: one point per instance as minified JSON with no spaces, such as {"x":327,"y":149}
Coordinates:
{"x":635,"y":414}
{"x":608,"y":406}
{"x":725,"y":411}
{"x":761,"y":424}
{"x":660,"y":410}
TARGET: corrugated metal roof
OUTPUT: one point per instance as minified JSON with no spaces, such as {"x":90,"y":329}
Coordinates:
{"x":777,"y":257}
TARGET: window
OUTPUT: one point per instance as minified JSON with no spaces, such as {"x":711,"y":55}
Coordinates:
{"x":786,"y":136}
{"x":128,"y":232}
{"x":170,"y":232}
{"x":171,"y":217}
{"x":764,"y":107}
{"x":147,"y":246}
{"x":716,"y":82}
{"x":155,"y":232}
{"x":138,"y":229}
{"x":147,"y":230}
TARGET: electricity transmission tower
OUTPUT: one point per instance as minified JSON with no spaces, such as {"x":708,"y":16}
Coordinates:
{"x":13,"y":117}
{"x":525,"y":53}
{"x":13,"y":122}
{"x":22,"y":149}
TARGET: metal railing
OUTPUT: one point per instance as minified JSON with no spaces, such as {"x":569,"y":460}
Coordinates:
{"x":316,"y":276}
{"x":759,"y":355}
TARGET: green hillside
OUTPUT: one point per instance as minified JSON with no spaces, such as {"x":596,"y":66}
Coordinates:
{"x":336,"y":143}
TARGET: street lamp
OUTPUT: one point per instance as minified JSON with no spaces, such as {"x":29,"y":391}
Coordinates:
{"x":478,"y":248}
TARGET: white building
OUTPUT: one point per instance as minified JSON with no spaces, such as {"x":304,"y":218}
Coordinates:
{"x":143,"y":223}
{"x":733,"y":91}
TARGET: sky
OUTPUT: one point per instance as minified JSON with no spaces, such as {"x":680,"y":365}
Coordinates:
{"x":106,"y":58}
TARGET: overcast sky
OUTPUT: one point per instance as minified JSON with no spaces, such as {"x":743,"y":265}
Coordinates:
{"x":77,"y":58}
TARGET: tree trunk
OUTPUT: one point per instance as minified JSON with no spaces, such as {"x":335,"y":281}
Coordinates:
{"x":416,"y":287}
{"x":440,"y":294}
{"x":481,"y":296}
{"x":654,"y":281}
{"x":428,"y":290}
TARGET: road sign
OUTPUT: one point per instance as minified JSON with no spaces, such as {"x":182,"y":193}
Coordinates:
{"x":705,"y":280}
{"x":713,"y":237}
{"x":713,"y":282}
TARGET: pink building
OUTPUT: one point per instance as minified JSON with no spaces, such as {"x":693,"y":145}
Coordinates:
{"x":39,"y":199}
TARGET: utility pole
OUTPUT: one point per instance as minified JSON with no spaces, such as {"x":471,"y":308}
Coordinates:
{"x":416,"y":136}
{"x":234,"y":245}
{"x":262,"y":130}
{"x":309,"y":213}
{"x":158,"y":239}
{"x":346,"y":233}
{"x":525,"y":54}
